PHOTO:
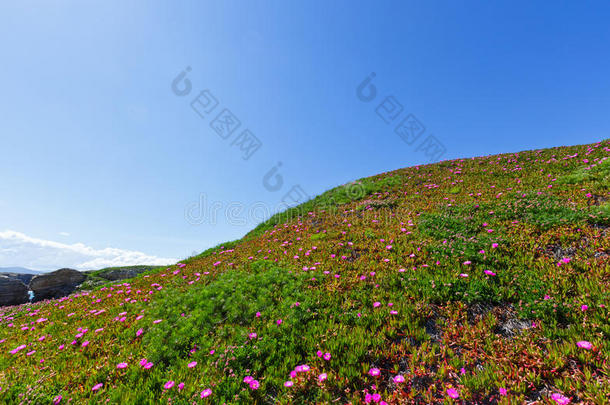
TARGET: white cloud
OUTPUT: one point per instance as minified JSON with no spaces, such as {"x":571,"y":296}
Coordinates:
{"x":64,"y":234}
{"x":18,"y":249}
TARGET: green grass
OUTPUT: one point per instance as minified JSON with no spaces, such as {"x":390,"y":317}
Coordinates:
{"x":468,"y":274}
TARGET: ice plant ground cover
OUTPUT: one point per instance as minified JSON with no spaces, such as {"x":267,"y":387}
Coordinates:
{"x":481,"y":280}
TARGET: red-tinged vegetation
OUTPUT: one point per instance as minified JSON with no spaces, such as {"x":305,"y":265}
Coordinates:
{"x":482,"y":280}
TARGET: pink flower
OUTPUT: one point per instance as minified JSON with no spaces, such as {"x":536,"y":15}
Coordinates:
{"x":322,"y":377}
{"x":467,"y":262}
{"x":252,"y":335}
{"x":490,"y":273}
{"x":148,"y":365}
{"x":248,"y":379}
{"x":288,"y":384}
{"x":85,"y":343}
{"x":254,"y":385}
{"x":584,"y":307}
{"x":393,"y":312}
{"x":97,"y":387}
{"x":399,"y":379}
{"x":169,"y":384}
{"x":327,"y":356}
{"x":258,"y":314}
{"x":584,"y":344}
{"x":279,"y":321}
{"x":57,"y":400}
{"x":192,"y":364}
{"x":376,"y":304}
{"x":494,"y":245}
{"x":206,"y":393}
{"x":503,"y":392}
{"x":452,"y":393}
{"x":302,"y":368}
{"x":139,"y":332}
{"x":463,"y":275}
{"x":374,"y":372}
{"x":121,"y":365}
{"x":560,"y":399}
{"x":180,"y":386}
{"x":158,"y":321}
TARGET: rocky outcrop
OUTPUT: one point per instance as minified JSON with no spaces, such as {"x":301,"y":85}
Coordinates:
{"x":12,"y":292}
{"x":122,"y":273}
{"x":56,"y":284}
{"x":23,"y":277}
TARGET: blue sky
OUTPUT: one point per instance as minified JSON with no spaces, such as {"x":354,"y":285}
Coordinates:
{"x":97,"y":152}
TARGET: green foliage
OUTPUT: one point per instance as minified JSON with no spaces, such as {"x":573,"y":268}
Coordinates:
{"x":476,"y":274}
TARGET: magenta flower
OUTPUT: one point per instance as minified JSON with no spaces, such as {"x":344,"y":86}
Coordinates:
{"x":303,"y":368}
{"x":327,"y":356}
{"x":374,"y":372}
{"x":192,"y":364}
{"x":288,"y":384}
{"x":583,"y":344}
{"x":279,"y":321}
{"x":180,"y":386}
{"x":57,"y":400}
{"x":206,"y":393}
{"x":169,"y":384}
{"x":584,"y":307}
{"x":254,"y":385}
{"x":323,"y":377}
{"x":18,"y":348}
{"x":139,"y":332}
{"x":560,"y":399}
{"x":490,"y":273}
{"x":158,"y":321}
{"x":97,"y":387}
{"x":121,"y":365}
{"x":248,"y":379}
{"x":399,"y":379}
{"x":452,"y":393}
{"x":85,"y":343}
{"x":503,"y":392}
{"x":376,"y":304}
{"x":252,"y":335}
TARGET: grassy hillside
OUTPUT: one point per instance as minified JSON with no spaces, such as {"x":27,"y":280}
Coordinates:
{"x":482,"y":280}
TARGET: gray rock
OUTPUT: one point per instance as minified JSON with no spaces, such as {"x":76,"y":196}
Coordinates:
{"x":24,"y":278}
{"x":56,"y":284}
{"x":122,"y":274}
{"x":12,"y":292}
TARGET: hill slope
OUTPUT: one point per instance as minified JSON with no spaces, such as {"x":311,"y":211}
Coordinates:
{"x":474,"y":280}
